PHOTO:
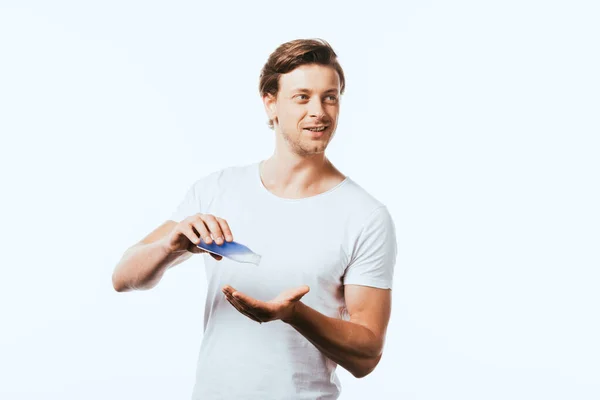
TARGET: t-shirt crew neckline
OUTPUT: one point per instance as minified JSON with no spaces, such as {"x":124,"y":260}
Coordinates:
{"x":283,"y":199}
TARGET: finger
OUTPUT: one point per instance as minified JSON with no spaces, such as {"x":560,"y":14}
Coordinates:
{"x":228,"y":290}
{"x":300,"y":293}
{"x":225,"y":228}
{"x":241,"y":310}
{"x":214,"y":227}
{"x":259,"y":309}
{"x":245,"y":299}
{"x":190,"y":234}
{"x":202,"y":230}
{"x":199,"y":225}
{"x":216,"y":257}
{"x":249,"y":313}
{"x":241,"y":305}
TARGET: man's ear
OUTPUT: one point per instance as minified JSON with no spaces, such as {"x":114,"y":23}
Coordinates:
{"x":270,"y":103}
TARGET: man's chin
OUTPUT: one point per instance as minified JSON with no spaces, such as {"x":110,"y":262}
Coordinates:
{"x":312,"y":150}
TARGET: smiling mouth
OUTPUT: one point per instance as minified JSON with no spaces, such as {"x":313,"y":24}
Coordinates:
{"x":317,"y":129}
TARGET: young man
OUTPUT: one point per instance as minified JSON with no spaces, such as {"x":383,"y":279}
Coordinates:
{"x":328,"y":250}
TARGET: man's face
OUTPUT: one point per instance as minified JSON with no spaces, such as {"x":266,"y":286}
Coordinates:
{"x":306,"y":109}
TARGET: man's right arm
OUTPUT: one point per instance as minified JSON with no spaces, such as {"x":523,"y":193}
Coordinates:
{"x":143,"y":264}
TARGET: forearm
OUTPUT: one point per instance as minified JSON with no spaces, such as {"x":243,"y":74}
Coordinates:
{"x":351,"y":345}
{"x":142,"y":266}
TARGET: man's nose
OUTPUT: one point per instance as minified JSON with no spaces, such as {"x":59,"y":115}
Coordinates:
{"x":315,"y":108}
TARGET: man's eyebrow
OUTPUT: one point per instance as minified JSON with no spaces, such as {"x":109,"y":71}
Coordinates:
{"x":303,"y":90}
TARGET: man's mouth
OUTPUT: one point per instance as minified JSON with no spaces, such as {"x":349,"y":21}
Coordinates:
{"x":316,"y":128}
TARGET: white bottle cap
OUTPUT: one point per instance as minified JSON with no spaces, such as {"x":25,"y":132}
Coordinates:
{"x":255,"y":259}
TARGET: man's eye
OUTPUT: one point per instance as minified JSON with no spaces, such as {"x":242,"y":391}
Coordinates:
{"x":333,"y":98}
{"x":302,"y":96}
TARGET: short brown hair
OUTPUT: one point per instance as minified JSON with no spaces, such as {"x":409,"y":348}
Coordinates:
{"x":290,"y":56}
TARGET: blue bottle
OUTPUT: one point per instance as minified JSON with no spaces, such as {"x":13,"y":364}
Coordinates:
{"x":232,"y":250}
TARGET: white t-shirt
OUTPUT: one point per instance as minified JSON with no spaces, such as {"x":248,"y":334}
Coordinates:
{"x":342,"y":236}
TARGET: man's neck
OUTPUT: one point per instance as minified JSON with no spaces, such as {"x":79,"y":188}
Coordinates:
{"x":293,"y":176}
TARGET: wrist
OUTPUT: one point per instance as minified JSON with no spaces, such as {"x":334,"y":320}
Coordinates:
{"x":168,"y":257}
{"x":165,"y":247}
{"x":292,"y":315}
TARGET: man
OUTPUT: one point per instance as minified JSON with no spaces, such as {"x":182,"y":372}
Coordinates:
{"x":321,"y":296}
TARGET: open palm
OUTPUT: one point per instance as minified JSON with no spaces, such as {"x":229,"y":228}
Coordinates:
{"x":281,"y":307}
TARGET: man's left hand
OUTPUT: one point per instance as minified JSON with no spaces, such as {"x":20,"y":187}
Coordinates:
{"x":281,"y":307}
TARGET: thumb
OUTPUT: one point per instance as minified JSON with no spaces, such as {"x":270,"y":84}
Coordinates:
{"x":299,"y":293}
{"x":192,"y":248}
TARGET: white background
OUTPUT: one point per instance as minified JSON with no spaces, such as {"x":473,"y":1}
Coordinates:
{"x":477,"y":123}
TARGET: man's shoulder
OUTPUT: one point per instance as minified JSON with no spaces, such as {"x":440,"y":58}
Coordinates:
{"x":356,"y":206}
{"x":358,"y":197}
{"x":239,"y":170}
{"x":224,"y":175}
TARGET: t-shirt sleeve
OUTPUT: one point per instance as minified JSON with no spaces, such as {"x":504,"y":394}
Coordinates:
{"x":198,"y":197}
{"x":374,"y":253}
{"x":189,"y":205}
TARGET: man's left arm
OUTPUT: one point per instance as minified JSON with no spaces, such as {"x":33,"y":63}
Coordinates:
{"x":357,"y":344}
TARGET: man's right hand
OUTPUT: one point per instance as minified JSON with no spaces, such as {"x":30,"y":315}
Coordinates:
{"x":186,"y":234}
